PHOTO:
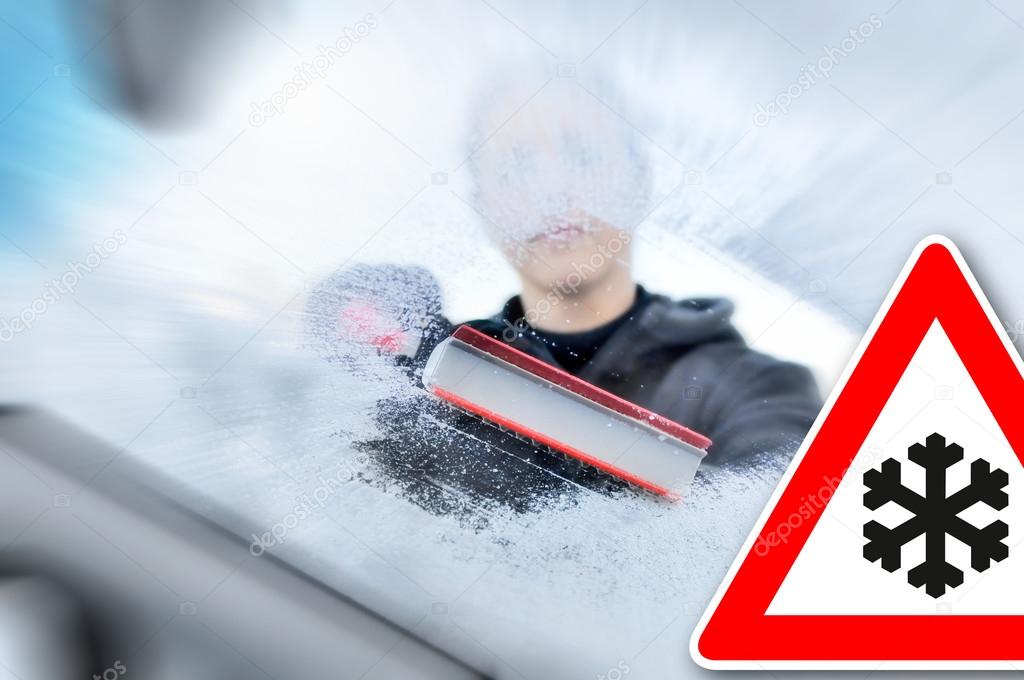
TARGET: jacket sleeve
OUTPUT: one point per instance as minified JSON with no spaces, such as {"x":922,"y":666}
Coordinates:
{"x":761,"y":407}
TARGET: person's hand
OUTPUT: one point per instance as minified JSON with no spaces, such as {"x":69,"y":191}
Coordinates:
{"x":371,"y":310}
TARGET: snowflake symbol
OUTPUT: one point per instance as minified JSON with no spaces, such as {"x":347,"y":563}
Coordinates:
{"x":935,"y":515}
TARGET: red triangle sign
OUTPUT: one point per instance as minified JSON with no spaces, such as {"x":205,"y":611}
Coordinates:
{"x":894,"y":616}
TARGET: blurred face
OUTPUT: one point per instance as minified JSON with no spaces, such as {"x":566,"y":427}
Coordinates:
{"x":561,"y":189}
{"x":576,"y":253}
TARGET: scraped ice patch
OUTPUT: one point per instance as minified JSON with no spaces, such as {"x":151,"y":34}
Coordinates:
{"x":452,"y":463}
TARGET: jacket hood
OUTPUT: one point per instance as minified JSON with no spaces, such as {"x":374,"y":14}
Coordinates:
{"x":675,"y":323}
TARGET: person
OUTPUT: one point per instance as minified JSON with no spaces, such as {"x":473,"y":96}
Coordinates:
{"x":560,"y":185}
{"x":682,"y":359}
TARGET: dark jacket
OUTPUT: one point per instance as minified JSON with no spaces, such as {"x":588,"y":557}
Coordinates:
{"x":686,"y":361}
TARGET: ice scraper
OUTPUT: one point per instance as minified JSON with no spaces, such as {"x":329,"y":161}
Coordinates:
{"x":518,"y":392}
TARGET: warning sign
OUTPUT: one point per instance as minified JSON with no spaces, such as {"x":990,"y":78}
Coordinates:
{"x":896,"y":537}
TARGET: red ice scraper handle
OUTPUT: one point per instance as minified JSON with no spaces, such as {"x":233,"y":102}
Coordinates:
{"x":535,"y":366}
